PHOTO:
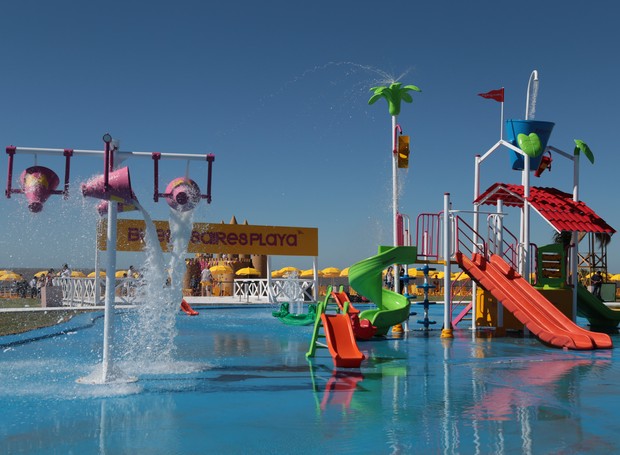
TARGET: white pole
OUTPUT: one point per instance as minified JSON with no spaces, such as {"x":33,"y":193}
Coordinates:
{"x":395,"y":199}
{"x":97,"y":278}
{"x":447,"y":294}
{"x":501,"y":121}
{"x":500,"y":252}
{"x":575,"y":238}
{"x":476,"y":221}
{"x":525,"y":272}
{"x":269,"y":293}
{"x":315,"y":273}
{"x":110,"y":283}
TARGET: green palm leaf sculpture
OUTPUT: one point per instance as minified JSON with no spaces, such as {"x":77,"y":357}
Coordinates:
{"x":530,"y":144}
{"x":394,"y":95}
{"x":583,"y":147}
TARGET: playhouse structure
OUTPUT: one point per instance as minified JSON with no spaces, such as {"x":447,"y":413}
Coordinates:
{"x":518,"y":286}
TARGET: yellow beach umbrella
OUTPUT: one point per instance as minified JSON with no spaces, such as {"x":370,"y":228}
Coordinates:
{"x":276,"y":274}
{"x":11,"y":277}
{"x":220,"y":269}
{"x":77,"y":274}
{"x":38,"y":274}
{"x":309,"y":273}
{"x":289,"y":270}
{"x":121,"y":274}
{"x":344,"y":272}
{"x":331,"y":272}
{"x":247,"y":271}
{"x":92,"y":274}
{"x":615,"y":277}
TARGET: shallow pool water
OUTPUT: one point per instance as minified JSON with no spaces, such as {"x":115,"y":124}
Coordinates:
{"x":239,"y":382}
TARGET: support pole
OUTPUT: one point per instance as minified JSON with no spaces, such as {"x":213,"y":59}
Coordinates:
{"x":110,"y":285}
{"x":500,"y":252}
{"x":97,"y":268}
{"x":10,"y":150}
{"x":395,"y":197}
{"x":315,"y":274}
{"x":476,"y":223}
{"x":525,"y":253}
{"x":447,"y":294}
{"x":210,"y":159}
{"x":575,"y":238}
{"x":68,"y":153}
{"x":270,"y":295}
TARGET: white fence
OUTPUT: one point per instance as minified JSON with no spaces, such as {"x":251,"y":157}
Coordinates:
{"x":81,"y":291}
{"x":282,"y":290}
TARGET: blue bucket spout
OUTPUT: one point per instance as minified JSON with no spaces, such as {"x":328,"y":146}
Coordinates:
{"x":516,"y":127}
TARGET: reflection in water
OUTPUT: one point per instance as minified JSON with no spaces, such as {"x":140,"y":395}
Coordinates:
{"x":339,"y":387}
{"x":241,"y":384}
{"x":512,"y":395}
{"x":525,"y":384}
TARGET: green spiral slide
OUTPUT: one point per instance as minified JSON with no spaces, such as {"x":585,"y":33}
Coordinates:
{"x":365,"y":277}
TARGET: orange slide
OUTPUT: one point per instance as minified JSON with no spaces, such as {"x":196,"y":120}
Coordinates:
{"x":531,"y":308}
{"x":188,"y":309}
{"x":363,"y":330}
{"x":341,"y":341}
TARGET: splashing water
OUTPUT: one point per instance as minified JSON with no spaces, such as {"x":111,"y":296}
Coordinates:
{"x":345,"y":91}
{"x":293,"y":293}
{"x":150,"y":340}
{"x":532,"y":101}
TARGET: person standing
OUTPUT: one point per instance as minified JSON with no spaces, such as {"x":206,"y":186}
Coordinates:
{"x":206,"y":282}
{"x":33,"y":287}
{"x":65,"y":272}
{"x":50,"y":277}
{"x":597,"y":283}
{"x":389,"y":278}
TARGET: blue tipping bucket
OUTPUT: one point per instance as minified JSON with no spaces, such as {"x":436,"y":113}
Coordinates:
{"x":516,"y":127}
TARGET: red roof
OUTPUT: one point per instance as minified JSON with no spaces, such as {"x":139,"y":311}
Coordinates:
{"x":556,"y":206}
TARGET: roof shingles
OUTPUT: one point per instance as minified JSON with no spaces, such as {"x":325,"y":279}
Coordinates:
{"x":554,"y":205}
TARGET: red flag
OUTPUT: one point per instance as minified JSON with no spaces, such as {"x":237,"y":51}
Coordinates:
{"x":497,"y":95}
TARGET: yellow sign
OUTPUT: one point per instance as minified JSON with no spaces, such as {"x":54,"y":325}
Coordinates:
{"x":221,"y":238}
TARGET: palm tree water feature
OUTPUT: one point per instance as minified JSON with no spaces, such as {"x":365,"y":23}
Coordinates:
{"x":395,"y":94}
{"x":291,"y":312}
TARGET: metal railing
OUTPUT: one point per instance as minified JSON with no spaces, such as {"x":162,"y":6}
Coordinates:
{"x":282,"y":289}
{"x":81,"y":291}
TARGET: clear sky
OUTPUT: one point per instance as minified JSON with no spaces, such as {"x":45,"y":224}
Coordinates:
{"x":278,"y":91}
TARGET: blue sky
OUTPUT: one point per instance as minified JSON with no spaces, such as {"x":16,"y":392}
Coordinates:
{"x":278,"y":92}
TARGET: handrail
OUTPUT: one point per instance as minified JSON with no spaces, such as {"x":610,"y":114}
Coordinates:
{"x":467,"y":239}
{"x":428,"y":227}
{"x":507,"y":250}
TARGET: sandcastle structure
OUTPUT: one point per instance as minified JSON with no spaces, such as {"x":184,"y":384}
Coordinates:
{"x":224,"y":281}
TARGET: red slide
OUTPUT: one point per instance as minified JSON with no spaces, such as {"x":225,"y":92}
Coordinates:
{"x":539,"y":315}
{"x":363,"y":330}
{"x":341,"y":341}
{"x":188,"y":309}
